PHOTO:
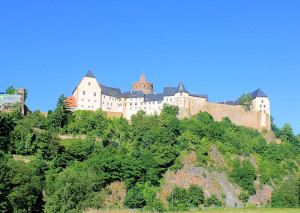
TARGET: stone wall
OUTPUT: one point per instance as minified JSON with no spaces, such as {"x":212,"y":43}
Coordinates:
{"x":235,"y":113}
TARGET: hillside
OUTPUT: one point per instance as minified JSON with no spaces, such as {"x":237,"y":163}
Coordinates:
{"x":157,"y":162}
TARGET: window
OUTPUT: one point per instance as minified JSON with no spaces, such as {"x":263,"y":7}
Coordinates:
{"x":145,"y":108}
{"x":109,"y":98}
{"x":264,"y":111}
{"x":89,"y":100}
{"x":111,"y":104}
{"x":81,"y":105}
{"x":103,"y":102}
{"x":166,"y":99}
{"x":92,"y":106}
{"x":95,"y":101}
{"x":89,"y":83}
{"x":94,"y":94}
{"x":262,"y":101}
{"x":264,"y":106}
{"x":135,"y":103}
{"x":170,"y":99}
{"x":83,"y":93}
{"x":141,"y":103}
{"x":130,"y":104}
{"x":82,"y":99}
{"x":104,"y":97}
{"x":260,"y":110}
{"x":260,"y":106}
{"x":107,"y":103}
{"x":181,"y":94}
{"x":153,"y":102}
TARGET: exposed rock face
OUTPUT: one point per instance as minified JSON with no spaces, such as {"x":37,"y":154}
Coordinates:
{"x":117,"y":195}
{"x":212,"y":182}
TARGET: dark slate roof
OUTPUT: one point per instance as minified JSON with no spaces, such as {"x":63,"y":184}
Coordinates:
{"x":181,"y":88}
{"x":169,"y":91}
{"x":235,"y":103}
{"x":90,"y":74}
{"x":258,"y":93}
{"x":110,"y":91}
{"x":132,"y":94}
{"x":154,"y":97}
{"x":200,"y":96}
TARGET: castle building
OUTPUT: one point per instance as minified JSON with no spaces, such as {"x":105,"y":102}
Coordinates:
{"x":90,"y":95}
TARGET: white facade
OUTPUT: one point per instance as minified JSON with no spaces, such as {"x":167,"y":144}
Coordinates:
{"x":88,"y":94}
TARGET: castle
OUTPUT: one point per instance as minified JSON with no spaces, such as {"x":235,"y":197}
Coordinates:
{"x":90,"y":95}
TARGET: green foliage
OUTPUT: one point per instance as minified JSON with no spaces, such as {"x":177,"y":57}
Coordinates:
{"x":244,"y":176}
{"x":178,"y":198}
{"x":77,"y":148}
{"x":59,"y":118}
{"x":196,"y":195}
{"x":26,"y":187}
{"x":287,"y":194}
{"x":71,"y":190}
{"x":246,"y":101}
{"x":135,"y":198}
{"x":212,"y":201}
{"x":11,"y":90}
{"x":152,"y":203}
{"x":244,"y":196}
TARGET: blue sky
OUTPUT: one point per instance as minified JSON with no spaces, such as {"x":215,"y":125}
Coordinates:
{"x":220,"y":48}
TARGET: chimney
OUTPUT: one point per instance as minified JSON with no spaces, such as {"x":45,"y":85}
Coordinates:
{"x":154,"y":92}
{"x":233,"y":101}
{"x":224,"y":102}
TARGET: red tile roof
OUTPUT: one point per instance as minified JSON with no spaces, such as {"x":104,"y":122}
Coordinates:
{"x":71,"y":102}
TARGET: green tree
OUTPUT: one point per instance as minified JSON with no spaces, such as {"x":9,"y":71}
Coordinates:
{"x":135,"y":198}
{"x":11,"y":90}
{"x":26,"y":187}
{"x":244,"y":197}
{"x":287,"y":194}
{"x":196,"y":195}
{"x":71,"y":190}
{"x":212,"y":201}
{"x":246,"y":101}
{"x":179,"y":197}
{"x":60,"y":117}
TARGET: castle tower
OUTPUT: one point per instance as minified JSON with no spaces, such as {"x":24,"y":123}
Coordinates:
{"x":143,"y":85}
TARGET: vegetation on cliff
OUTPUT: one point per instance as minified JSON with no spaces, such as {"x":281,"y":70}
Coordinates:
{"x":69,"y":175}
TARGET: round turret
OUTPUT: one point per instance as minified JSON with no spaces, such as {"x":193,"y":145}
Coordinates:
{"x":143,"y":85}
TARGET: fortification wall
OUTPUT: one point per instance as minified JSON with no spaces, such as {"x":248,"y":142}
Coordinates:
{"x":235,"y":113}
{"x":113,"y":114}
